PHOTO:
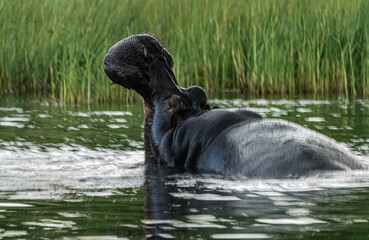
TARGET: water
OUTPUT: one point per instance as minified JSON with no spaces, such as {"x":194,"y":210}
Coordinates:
{"x":70,"y":172}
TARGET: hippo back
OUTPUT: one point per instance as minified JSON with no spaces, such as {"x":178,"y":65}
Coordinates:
{"x":274,"y":149}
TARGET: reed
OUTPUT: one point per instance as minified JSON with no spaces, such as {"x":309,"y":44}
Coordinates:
{"x":55,"y":48}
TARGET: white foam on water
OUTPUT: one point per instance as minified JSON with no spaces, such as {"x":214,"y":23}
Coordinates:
{"x":14,"y":205}
{"x":32,"y":173}
{"x":290,"y":221}
{"x":240,"y":236}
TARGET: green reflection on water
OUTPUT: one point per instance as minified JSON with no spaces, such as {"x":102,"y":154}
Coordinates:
{"x":47,"y":124}
{"x":117,"y":215}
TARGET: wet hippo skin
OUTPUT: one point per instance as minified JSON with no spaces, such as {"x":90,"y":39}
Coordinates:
{"x":182,"y":131}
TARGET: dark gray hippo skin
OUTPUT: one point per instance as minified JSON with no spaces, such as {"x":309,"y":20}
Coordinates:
{"x":181,"y":130}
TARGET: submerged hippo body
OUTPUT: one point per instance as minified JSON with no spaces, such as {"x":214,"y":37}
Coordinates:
{"x":182,"y":131}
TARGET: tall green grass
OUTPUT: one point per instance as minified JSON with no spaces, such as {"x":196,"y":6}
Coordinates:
{"x":56,"y":48}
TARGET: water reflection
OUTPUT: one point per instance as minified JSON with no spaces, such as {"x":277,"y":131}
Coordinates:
{"x":78,"y":173}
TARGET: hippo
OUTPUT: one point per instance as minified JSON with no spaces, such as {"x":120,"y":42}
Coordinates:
{"x":181,"y":130}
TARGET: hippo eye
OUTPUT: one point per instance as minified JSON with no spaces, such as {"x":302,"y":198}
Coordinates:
{"x":146,"y":53}
{"x":149,"y":59}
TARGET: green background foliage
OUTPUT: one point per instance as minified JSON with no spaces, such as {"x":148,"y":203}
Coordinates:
{"x":56,"y":48}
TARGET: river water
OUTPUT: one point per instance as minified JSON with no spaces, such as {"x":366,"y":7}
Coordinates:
{"x":77,"y":172}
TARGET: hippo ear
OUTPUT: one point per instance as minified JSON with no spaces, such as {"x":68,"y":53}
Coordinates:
{"x":148,"y":58}
{"x":146,"y":53}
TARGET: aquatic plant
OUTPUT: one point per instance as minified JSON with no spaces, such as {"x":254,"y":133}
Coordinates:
{"x":55,"y":48}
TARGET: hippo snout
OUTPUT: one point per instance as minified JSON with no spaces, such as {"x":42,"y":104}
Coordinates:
{"x":108,"y":68}
{"x":107,"y":59}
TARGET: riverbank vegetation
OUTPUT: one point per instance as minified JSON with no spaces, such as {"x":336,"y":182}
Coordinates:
{"x":56,"y":48}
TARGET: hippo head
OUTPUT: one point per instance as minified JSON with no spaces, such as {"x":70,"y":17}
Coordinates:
{"x":128,"y":64}
{"x":142,"y":64}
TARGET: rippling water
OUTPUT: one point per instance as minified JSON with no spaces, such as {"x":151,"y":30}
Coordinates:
{"x":72,"y":172}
